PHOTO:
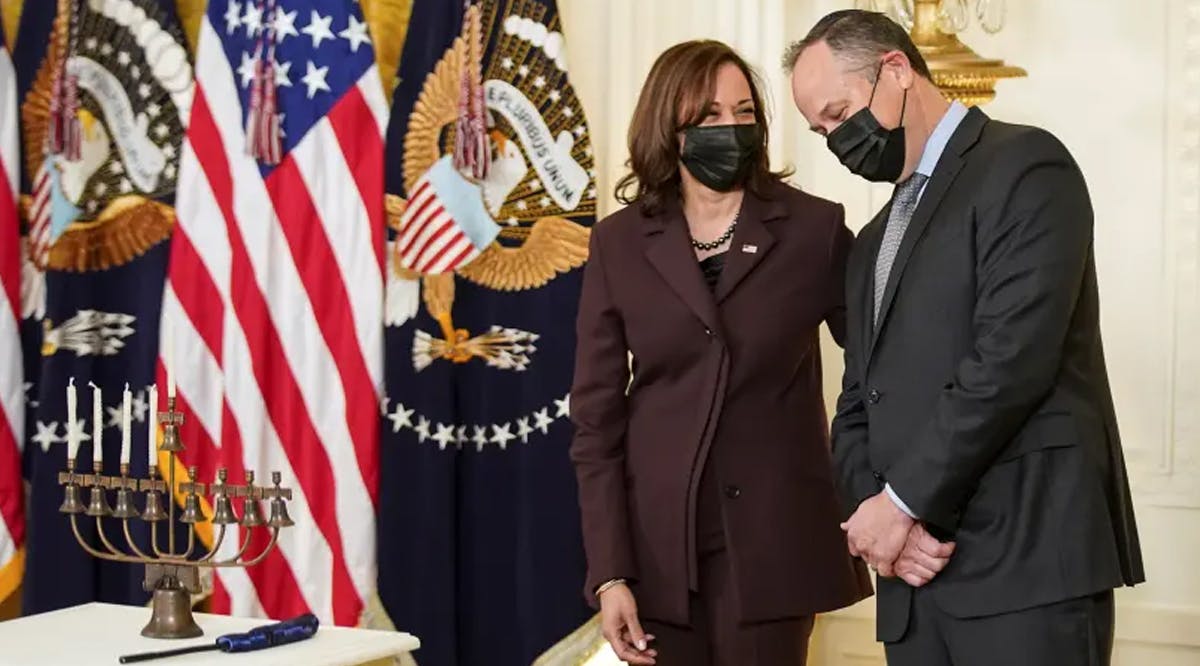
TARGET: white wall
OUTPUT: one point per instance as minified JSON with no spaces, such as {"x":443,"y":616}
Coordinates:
{"x":1119,"y":82}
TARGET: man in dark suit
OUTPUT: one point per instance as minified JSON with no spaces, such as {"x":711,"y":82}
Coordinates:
{"x":975,"y":438}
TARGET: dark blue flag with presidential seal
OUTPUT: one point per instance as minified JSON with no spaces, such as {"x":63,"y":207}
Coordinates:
{"x":105,"y":89}
{"x":491,"y":196}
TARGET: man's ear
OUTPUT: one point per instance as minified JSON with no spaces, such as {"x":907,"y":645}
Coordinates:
{"x":899,"y":66}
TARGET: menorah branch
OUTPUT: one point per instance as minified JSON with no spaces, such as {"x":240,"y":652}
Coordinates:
{"x":108,"y":544}
{"x":238,"y":556}
{"x":158,"y":552}
{"x":96,"y":553}
{"x":216,"y":545}
{"x":132,"y":542}
{"x":232,"y":562}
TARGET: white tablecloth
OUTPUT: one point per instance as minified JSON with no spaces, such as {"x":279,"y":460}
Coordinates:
{"x":97,"y":634}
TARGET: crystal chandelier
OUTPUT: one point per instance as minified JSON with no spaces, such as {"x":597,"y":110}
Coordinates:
{"x":934,"y":25}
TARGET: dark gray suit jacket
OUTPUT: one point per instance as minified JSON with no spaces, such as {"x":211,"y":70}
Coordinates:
{"x":982,"y":394}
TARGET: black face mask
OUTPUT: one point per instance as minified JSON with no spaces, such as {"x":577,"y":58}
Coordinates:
{"x":718,"y":155}
{"x":865,"y":147}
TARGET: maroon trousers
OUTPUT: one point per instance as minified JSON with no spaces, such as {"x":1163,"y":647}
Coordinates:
{"x":717,"y":638}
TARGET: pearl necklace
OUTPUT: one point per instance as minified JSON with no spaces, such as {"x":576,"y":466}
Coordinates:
{"x":712,"y":245}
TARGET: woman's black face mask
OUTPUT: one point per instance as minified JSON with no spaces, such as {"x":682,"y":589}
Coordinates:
{"x":719,"y":155}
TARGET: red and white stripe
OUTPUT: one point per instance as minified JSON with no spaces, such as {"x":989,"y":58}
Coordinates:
{"x":39,"y":216}
{"x":430,"y":240}
{"x":12,"y":382}
{"x":275,"y":303}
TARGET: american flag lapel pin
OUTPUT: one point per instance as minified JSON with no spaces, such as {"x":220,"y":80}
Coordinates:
{"x":749,"y":249}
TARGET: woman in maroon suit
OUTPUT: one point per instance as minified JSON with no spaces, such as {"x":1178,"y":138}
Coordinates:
{"x":702,"y":445}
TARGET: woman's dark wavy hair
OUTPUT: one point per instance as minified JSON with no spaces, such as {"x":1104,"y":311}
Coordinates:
{"x":677,"y":94}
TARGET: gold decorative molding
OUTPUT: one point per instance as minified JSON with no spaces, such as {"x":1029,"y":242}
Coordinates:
{"x":960,"y":72}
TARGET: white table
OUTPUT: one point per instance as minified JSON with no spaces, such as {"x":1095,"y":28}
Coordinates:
{"x":97,"y":634}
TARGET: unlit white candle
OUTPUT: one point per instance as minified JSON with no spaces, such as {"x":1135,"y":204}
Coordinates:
{"x":152,"y":430}
{"x":97,"y":424}
{"x":72,"y":417}
{"x":126,"y":424}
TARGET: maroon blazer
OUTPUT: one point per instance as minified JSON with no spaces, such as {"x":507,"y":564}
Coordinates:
{"x":736,"y":372}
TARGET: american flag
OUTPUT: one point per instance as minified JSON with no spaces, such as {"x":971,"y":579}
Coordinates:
{"x":12,"y":382}
{"x":273,"y":306}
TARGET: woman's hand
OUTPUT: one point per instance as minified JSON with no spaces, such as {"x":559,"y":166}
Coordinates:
{"x":620,"y":625}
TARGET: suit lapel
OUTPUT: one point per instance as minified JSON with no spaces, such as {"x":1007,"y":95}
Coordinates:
{"x":669,"y":250}
{"x":948,"y":167}
{"x":751,"y":242}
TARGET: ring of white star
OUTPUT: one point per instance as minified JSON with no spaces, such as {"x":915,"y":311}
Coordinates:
{"x":499,"y":434}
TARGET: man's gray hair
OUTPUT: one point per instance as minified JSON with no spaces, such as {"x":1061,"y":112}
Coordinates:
{"x":859,"y":38}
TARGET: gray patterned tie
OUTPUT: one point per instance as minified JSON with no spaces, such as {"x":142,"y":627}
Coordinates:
{"x":904,"y":202}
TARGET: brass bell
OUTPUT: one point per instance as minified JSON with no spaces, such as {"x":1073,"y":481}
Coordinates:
{"x":124,"y":508}
{"x":222,"y":506}
{"x":223,"y":511}
{"x":170,"y":440}
{"x":154,"y":508}
{"x":191,"y":510}
{"x":251,"y":513}
{"x":71,"y":502}
{"x":279,"y":514}
{"x":99,"y":503}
